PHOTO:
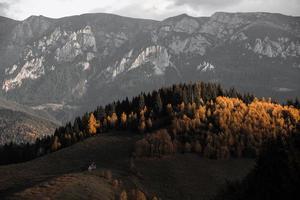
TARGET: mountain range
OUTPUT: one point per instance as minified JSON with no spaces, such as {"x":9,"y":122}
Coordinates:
{"x":70,"y":65}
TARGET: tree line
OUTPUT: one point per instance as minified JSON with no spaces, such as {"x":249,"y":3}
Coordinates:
{"x":199,"y":117}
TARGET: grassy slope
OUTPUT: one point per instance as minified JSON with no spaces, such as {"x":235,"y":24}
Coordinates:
{"x":70,"y":186}
{"x":175,"y":177}
{"x":188,"y":176}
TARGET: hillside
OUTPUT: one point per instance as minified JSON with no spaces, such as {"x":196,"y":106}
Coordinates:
{"x":70,"y":65}
{"x":19,"y":124}
{"x":179,"y":142}
{"x":202,"y":118}
{"x":14,"y":106}
{"x":169,"y":178}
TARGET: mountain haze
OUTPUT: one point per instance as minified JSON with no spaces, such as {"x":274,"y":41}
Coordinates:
{"x":20,"y":124}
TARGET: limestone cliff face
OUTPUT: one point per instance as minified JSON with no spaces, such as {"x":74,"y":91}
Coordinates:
{"x":282,"y":47}
{"x":62,"y":65}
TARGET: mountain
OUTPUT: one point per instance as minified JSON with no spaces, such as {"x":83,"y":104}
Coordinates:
{"x":20,"y":124}
{"x":69,"y":65}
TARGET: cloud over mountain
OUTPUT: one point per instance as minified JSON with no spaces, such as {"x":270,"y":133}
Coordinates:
{"x":151,"y":9}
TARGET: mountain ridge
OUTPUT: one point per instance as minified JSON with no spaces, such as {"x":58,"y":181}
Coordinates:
{"x":60,"y":65}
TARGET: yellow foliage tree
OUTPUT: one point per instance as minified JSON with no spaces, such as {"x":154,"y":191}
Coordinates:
{"x":92,"y":124}
{"x":123,"y":119}
{"x":142,"y":126}
{"x":123,"y":195}
{"x":113,"y":120}
{"x":56,"y":144}
{"x":169,"y":109}
{"x":140,"y":195}
{"x":261,"y":118}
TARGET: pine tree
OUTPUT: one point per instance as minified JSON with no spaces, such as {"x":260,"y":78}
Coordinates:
{"x":85,"y":123}
{"x":76,"y":125}
{"x":157,"y":103}
{"x":141,"y":102}
{"x":100,"y":113}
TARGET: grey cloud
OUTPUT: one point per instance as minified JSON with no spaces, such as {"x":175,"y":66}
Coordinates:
{"x":206,"y":3}
{"x":137,"y":11}
{"x":3,"y":9}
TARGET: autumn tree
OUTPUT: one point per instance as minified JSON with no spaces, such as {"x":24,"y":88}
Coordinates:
{"x":92,"y":124}
{"x":55,"y":144}
{"x":140,"y":195}
{"x":123,"y":120}
{"x":170,"y":109}
{"x":112,"y":120}
{"x":142,"y":121}
{"x":123,"y":195}
{"x":142,"y":126}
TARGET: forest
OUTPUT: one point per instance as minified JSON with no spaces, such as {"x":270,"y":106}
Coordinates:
{"x":198,"y":117}
{"x":276,"y":174}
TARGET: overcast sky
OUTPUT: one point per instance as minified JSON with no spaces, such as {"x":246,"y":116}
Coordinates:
{"x":151,"y":9}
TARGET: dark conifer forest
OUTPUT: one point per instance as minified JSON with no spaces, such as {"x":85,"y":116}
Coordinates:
{"x":275,"y":176}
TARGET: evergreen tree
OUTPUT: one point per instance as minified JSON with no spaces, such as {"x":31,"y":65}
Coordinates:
{"x":76,"y":126}
{"x":100,"y":113}
{"x":141,"y":104}
{"x":157,"y":103}
{"x":85,"y":123}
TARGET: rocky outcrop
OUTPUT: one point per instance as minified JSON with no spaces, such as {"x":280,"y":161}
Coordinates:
{"x":205,"y":67}
{"x":196,"y":44}
{"x":156,"y":55}
{"x":32,"y":69}
{"x":186,"y":25}
{"x":223,"y":25}
{"x":76,"y":44}
{"x":283,"y":47}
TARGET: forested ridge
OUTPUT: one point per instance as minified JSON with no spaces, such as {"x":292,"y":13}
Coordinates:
{"x":201,"y":118}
